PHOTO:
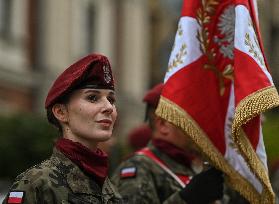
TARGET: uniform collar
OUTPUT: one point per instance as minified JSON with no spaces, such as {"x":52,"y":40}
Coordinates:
{"x":93,"y":163}
{"x":78,"y":181}
{"x":173,"y":165}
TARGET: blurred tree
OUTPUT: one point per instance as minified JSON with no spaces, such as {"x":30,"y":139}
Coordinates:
{"x":25,"y":140}
{"x":271,"y":136}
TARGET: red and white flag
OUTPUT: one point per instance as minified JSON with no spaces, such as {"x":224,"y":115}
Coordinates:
{"x":16,"y":197}
{"x":128,"y":172}
{"x":216,"y":87}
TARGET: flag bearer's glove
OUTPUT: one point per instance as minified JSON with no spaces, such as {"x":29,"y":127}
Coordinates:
{"x":204,"y":188}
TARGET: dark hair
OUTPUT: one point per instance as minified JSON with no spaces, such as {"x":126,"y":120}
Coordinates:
{"x":150,"y":116}
{"x":52,"y":119}
{"x":50,"y":116}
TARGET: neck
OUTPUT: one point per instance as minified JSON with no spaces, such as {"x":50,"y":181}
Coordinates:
{"x":89,"y":144}
{"x":180,"y":155}
{"x":168,"y":139}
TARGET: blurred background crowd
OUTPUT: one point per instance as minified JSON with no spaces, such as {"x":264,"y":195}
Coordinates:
{"x":39,"y":39}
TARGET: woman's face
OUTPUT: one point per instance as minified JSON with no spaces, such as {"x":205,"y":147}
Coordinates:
{"x":90,"y":116}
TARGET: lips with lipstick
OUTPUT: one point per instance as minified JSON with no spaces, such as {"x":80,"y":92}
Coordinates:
{"x":105,"y":122}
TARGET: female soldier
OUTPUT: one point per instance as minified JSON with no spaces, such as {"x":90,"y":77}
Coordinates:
{"x":81,"y":104}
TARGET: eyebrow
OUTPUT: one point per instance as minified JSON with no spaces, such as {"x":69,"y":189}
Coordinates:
{"x":90,"y":90}
{"x":99,"y":92}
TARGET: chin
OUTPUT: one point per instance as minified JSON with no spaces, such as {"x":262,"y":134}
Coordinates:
{"x":104,"y":137}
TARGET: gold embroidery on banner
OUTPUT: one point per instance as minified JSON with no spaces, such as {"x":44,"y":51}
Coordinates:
{"x":178,"y":57}
{"x":248,"y":108}
{"x":180,"y":30}
{"x":204,"y":14}
{"x":176,"y":115}
{"x":254,"y":48}
{"x":180,"y":33}
{"x":228,"y":72}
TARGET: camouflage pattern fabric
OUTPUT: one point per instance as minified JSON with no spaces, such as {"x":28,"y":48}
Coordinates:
{"x":150,"y":184}
{"x":59,"y":180}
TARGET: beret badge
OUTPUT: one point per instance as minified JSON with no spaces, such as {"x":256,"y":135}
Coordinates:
{"x":107,"y":75}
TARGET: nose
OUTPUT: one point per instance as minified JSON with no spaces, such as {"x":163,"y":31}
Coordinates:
{"x":107,"y":107}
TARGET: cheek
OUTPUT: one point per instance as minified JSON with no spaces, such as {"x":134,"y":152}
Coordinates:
{"x":114,"y":115}
{"x":82,"y":115}
{"x":183,"y":137}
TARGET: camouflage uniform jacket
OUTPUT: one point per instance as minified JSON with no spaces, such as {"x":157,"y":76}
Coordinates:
{"x":59,"y":180}
{"x":150,"y":184}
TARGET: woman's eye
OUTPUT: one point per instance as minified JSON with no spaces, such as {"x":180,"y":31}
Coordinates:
{"x":111,"y":100}
{"x":92,"y":98}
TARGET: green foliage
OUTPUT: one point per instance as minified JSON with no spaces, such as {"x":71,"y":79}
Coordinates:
{"x":271,"y":136}
{"x":25,"y":140}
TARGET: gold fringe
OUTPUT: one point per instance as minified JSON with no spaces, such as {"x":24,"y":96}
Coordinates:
{"x":176,"y":115}
{"x":249,"y":154}
{"x":254,"y":104}
{"x":248,"y":108}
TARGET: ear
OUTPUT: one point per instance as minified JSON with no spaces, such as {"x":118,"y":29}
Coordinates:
{"x":60,"y":112}
{"x":161,"y":125}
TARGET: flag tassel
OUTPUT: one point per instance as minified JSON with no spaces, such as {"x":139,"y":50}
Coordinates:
{"x":174,"y":114}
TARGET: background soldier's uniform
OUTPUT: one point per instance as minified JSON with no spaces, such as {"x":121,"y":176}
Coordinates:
{"x":150,"y":184}
{"x":59,"y":180}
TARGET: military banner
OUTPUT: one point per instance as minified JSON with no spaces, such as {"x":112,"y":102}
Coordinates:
{"x":216,"y":87}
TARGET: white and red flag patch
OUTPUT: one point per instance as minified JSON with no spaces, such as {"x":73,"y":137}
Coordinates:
{"x":217,"y":85}
{"x":128,"y":172}
{"x":16,"y":197}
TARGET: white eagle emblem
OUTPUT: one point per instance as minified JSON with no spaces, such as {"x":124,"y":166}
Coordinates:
{"x":226,"y":27}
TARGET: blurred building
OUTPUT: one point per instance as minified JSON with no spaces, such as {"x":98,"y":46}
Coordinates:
{"x":39,"y":39}
{"x":269,"y":24}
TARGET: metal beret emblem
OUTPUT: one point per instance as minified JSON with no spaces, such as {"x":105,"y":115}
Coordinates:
{"x":107,"y":75}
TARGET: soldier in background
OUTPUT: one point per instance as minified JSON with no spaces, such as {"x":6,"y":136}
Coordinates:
{"x":139,"y":136}
{"x":164,"y":172}
{"x":81,"y":104}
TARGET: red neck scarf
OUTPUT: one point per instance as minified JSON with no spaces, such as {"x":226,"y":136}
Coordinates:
{"x":94,"y":163}
{"x":174,"y":152}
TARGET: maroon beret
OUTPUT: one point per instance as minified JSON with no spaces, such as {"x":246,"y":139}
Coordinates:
{"x":153,"y":95}
{"x":92,"y":71}
{"x":139,"y":136}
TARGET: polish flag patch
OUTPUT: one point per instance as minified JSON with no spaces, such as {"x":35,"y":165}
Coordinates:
{"x":128,"y":172}
{"x":15,"y":197}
